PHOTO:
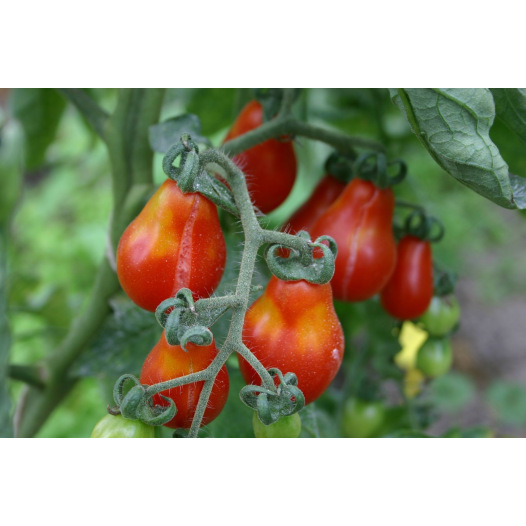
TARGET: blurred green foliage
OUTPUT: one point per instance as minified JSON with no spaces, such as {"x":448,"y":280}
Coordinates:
{"x":59,"y":235}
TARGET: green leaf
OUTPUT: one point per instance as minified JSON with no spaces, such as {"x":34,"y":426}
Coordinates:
{"x":451,"y":392}
{"x":214,"y":106}
{"x":453,"y":124}
{"x":128,"y":335}
{"x":511,"y":108}
{"x":167,"y":133}
{"x":518,"y":184}
{"x":508,"y":401}
{"x":39,"y":111}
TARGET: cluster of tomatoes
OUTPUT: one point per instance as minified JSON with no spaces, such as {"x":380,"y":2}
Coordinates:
{"x":176,"y":242}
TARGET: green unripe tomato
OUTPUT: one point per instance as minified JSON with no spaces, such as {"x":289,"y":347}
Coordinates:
{"x":441,"y":316}
{"x":435,"y":357}
{"x":119,"y":427}
{"x":285,"y":427}
{"x":361,"y":418}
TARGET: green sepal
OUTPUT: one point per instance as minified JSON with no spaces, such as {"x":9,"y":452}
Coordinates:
{"x":185,"y":321}
{"x":136,"y":405}
{"x":271,"y":406}
{"x":191,"y":177}
{"x":423,"y":226}
{"x":375,"y":168}
{"x":340,"y":166}
{"x":302,"y":264}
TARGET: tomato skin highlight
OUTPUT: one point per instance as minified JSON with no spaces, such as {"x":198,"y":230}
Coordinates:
{"x":270,"y":167}
{"x":325,"y":193}
{"x":360,"y":221}
{"x":166,"y":362}
{"x":176,"y":241}
{"x":293,"y":326}
{"x":409,"y":291}
{"x":116,"y":426}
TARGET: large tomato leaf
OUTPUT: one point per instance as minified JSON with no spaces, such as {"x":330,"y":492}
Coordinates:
{"x":39,"y":111}
{"x":511,"y":108}
{"x":453,"y":124}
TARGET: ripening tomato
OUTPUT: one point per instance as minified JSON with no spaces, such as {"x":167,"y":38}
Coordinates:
{"x":176,"y":241}
{"x":325,"y":193}
{"x":166,"y":362}
{"x":293,"y":326}
{"x":270,"y":167}
{"x":409,"y":291}
{"x":360,"y":221}
{"x":116,"y":426}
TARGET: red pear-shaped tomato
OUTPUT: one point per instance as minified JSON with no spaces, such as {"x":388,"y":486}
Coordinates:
{"x":360,"y":221}
{"x":176,"y":241}
{"x":270,"y":167}
{"x":325,"y":193}
{"x":293,"y":326}
{"x":409,"y":291}
{"x":166,"y":362}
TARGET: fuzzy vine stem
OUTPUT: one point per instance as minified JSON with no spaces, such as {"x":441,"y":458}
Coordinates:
{"x":255,"y":237}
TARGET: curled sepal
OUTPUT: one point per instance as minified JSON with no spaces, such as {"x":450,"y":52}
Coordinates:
{"x":375,"y":168}
{"x":137,"y":405}
{"x":198,"y":334}
{"x":423,"y":226}
{"x":304,"y":264}
{"x":269,"y":405}
{"x":119,"y":387}
{"x":191,"y":176}
{"x":157,"y":415}
{"x":185,"y":321}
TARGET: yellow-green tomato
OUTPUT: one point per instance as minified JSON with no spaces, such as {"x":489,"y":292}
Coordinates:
{"x":119,"y":427}
{"x":441,"y":316}
{"x":361,"y":418}
{"x":285,"y":427}
{"x":435,"y":357}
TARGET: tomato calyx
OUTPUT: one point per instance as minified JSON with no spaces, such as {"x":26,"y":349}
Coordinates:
{"x":272,"y":405}
{"x":136,"y":404}
{"x":304,"y":264}
{"x":375,"y":168}
{"x":422,"y":226}
{"x":340,"y":166}
{"x":444,"y":282}
{"x":191,"y":176}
